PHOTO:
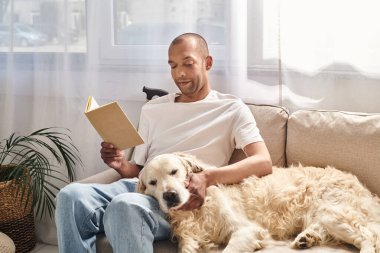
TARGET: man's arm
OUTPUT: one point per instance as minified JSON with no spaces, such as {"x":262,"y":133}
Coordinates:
{"x":115,"y":159}
{"x":258,"y":162}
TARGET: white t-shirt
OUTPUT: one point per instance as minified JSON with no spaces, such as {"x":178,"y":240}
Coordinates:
{"x":209,"y":129}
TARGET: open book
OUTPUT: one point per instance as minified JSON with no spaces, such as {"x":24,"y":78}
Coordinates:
{"x":112,"y":124}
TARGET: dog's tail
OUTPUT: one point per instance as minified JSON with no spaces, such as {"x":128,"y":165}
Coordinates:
{"x":375,"y":228}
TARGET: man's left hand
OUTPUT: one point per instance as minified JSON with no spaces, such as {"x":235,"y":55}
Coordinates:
{"x":196,"y":185}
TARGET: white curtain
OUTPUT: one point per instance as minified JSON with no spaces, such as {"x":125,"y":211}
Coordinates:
{"x":333,"y":55}
{"x":315,"y":54}
{"x":295,"y":53}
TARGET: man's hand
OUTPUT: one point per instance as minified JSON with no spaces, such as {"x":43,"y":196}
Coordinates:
{"x":197,"y":185}
{"x":112,"y":156}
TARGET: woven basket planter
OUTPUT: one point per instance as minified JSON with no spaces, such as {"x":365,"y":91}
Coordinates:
{"x":16,"y":219}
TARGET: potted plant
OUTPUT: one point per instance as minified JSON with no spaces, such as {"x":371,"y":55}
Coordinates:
{"x":30,"y":174}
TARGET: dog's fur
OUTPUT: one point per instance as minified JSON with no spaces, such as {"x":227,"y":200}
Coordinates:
{"x":313,"y":205}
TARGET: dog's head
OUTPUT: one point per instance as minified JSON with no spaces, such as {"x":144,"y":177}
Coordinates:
{"x":164,"y":178}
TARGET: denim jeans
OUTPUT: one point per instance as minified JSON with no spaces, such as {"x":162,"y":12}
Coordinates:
{"x":131,"y":221}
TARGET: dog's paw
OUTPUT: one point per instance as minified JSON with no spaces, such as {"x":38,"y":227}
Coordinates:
{"x":244,"y":247}
{"x":304,"y":241}
{"x":188,"y":250}
{"x":188,"y":246}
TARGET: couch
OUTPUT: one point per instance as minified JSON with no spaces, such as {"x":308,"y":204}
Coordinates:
{"x":348,"y":141}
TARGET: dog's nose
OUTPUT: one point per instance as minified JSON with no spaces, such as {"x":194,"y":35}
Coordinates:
{"x":171,"y":197}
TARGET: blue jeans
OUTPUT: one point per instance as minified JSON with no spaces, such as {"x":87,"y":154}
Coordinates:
{"x":131,"y":221}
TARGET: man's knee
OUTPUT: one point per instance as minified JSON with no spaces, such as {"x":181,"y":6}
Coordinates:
{"x":70,"y":195}
{"x":130,"y":207}
{"x":126,"y":202}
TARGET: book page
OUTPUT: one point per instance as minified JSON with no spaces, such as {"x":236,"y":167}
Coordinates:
{"x":91,"y":104}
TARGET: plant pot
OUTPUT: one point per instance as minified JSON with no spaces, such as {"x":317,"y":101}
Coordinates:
{"x":16,"y":216}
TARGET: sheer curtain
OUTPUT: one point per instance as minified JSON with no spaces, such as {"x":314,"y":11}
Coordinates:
{"x":55,"y":53}
{"x":315,"y":54}
{"x":333,"y":55}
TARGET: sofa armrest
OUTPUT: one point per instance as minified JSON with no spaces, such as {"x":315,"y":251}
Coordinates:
{"x":104,"y":177}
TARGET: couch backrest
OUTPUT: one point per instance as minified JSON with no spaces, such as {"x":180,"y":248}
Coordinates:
{"x":347,"y":141}
{"x":271,"y":120}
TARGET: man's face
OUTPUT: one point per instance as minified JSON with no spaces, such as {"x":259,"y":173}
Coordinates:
{"x":188,"y":68}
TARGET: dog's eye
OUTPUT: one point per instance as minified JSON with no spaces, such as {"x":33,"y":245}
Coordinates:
{"x":173,"y":172}
{"x":153,"y":182}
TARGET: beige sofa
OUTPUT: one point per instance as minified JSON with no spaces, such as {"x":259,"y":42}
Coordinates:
{"x":348,"y":141}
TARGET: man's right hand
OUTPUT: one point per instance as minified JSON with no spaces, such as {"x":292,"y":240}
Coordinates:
{"x":112,"y":156}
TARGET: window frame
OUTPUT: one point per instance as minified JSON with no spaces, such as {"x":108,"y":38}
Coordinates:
{"x":140,"y":56}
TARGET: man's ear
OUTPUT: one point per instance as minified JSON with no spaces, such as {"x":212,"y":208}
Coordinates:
{"x":140,"y":188}
{"x":209,"y":62}
{"x":191,"y":163}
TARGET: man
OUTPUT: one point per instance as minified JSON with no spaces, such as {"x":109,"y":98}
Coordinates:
{"x":199,"y":121}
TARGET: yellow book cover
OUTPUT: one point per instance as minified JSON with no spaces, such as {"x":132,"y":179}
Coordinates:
{"x":112,"y":124}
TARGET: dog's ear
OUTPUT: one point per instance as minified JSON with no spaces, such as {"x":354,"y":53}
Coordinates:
{"x":140,"y":188}
{"x":191,"y":163}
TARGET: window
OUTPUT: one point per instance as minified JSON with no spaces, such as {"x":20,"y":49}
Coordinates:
{"x":294,"y":32}
{"x":43,"y":26}
{"x":133,"y":34}
{"x":134,"y":24}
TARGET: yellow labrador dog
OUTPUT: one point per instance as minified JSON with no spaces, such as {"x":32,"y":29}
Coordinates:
{"x":313,"y":205}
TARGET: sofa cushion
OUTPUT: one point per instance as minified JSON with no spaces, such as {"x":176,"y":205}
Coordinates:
{"x":272,"y":121}
{"x":166,"y":246}
{"x":347,"y":141}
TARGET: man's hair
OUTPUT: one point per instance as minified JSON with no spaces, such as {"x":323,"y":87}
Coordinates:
{"x":201,"y":42}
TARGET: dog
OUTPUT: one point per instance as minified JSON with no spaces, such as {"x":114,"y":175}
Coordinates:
{"x":300,"y":206}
